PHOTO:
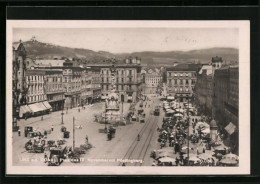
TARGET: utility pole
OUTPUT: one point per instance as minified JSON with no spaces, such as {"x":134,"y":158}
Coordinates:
{"x":62,"y":113}
{"x":73,"y":133}
{"x":188,"y":130}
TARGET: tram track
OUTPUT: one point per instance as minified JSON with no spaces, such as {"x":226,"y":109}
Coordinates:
{"x":149,"y":129}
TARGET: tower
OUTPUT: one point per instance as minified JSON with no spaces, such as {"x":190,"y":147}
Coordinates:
{"x":213,"y":130}
{"x":216,"y":63}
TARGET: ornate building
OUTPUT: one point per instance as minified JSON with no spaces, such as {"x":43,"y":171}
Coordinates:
{"x":128,"y":79}
{"x":86,"y":87}
{"x":54,"y":88}
{"x":72,"y":84}
{"x":152,"y":80}
{"x":181,"y":80}
{"x":18,"y":76}
{"x":95,"y":82}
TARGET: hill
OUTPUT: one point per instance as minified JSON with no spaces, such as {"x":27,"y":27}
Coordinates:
{"x":46,"y":50}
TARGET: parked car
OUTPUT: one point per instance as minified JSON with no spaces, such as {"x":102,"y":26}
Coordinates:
{"x":57,"y":155}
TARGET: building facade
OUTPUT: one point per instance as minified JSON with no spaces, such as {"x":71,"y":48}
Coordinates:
{"x":181,"y":80}
{"x":86,"y":87}
{"x":72,"y":84}
{"x":226,"y":94}
{"x":152,"y":80}
{"x":54,"y":88}
{"x":127,"y":79}
{"x":18,"y":77}
{"x":35,"y":85}
{"x":95,"y":83}
{"x":203,"y":91}
{"x":226,"y":103}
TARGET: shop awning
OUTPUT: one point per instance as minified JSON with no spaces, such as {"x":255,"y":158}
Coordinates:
{"x":42,"y":106}
{"x":34,"y":108}
{"x":230,"y":128}
{"x":47,"y":105}
{"x":23,"y":110}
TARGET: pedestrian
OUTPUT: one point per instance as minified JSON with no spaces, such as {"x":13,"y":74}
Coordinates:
{"x":19,"y":132}
{"x":86,"y":139}
{"x":52,"y":128}
{"x":34,"y":140}
{"x":45,"y":133}
{"x":45,"y":157}
{"x":41,"y":118}
{"x":123,"y":164}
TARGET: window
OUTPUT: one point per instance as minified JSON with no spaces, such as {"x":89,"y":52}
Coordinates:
{"x":107,"y":87}
{"x":130,"y":87}
{"x":181,"y":82}
{"x":170,"y":74}
{"x":187,"y":82}
{"x":170,"y":82}
{"x":107,"y":80}
{"x":122,"y":79}
{"x":122,"y":72}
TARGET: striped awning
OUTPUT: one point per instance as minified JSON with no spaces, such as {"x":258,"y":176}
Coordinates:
{"x":23,"y":110}
{"x":47,"y":105}
{"x":42,"y":106}
{"x":35,"y":108}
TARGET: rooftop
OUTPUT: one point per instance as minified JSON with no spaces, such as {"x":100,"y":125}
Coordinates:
{"x":184,"y":67}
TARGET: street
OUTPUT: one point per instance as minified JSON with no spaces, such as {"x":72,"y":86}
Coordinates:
{"x":124,"y":148}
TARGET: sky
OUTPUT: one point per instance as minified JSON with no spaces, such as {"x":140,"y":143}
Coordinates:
{"x":127,"y":40}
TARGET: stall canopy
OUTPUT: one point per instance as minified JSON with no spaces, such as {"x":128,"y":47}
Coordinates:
{"x":34,"y":108}
{"x":41,"y":106}
{"x":23,"y":110}
{"x":230,"y":128}
{"x":47,"y":105}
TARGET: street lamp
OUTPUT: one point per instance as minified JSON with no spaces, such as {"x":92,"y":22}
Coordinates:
{"x":62,"y":113}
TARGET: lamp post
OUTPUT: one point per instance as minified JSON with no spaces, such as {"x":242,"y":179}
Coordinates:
{"x":62,"y":113}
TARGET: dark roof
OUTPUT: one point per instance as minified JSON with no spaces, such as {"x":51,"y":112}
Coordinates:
{"x":216,"y":59}
{"x":185,"y":67}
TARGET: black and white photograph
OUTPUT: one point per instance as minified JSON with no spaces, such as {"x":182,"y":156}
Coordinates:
{"x":128,"y":97}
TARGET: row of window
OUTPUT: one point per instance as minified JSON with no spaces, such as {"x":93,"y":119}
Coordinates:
{"x":118,"y":87}
{"x":71,"y":79}
{"x":36,"y":98}
{"x":180,"y":89}
{"x":55,"y":97}
{"x":53,"y":87}
{"x":130,"y":72}
{"x":181,"y":81}
{"x":54,"y":79}
{"x":35,"y":89}
{"x":117,"y":80}
{"x":34,"y":78}
{"x":170,"y":74}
